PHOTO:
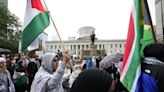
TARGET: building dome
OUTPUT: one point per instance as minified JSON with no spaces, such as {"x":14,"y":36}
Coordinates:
{"x":86,"y":31}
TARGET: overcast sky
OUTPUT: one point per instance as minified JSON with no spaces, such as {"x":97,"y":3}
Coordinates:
{"x":109,"y":17}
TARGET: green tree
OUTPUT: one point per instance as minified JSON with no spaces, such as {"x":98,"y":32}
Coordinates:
{"x":9,"y":30}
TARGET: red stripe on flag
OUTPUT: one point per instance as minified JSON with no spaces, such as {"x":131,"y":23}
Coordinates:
{"x":129,"y":41}
{"x":37,"y":4}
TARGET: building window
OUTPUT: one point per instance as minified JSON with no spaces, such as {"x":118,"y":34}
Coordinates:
{"x":87,"y":46}
{"x":103,"y":46}
{"x":96,"y":46}
{"x":99,"y":46}
{"x":51,"y":47}
{"x":59,"y":47}
{"x":116,"y":45}
{"x":120,"y":45}
{"x":78,"y":47}
{"x":74,"y":48}
{"x":55,"y":46}
{"x":82,"y":47}
{"x":111,"y":46}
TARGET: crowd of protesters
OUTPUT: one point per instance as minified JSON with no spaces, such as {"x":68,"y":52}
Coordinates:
{"x":21,"y":70}
{"x":50,"y":73}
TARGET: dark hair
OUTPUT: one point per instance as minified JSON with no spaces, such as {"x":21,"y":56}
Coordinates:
{"x":155,"y":50}
{"x":19,"y":67}
{"x":20,"y":62}
{"x":92,"y":80}
{"x":84,"y":66}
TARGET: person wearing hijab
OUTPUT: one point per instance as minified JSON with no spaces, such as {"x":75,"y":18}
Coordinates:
{"x":49,"y":76}
{"x":76,"y":71}
{"x":6,"y":84}
{"x":93,"y":80}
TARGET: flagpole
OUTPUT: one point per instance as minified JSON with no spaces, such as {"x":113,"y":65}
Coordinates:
{"x":57,"y":32}
{"x":55,"y":26}
{"x":149,"y":16}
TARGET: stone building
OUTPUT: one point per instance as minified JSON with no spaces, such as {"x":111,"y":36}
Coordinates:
{"x":159,"y":4}
{"x":76,"y":46}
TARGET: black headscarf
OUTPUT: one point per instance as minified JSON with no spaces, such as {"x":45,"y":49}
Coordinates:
{"x":154,"y":50}
{"x":92,"y":80}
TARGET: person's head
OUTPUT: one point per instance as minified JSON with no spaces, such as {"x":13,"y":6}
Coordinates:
{"x":154,"y":50}
{"x":20,"y":67}
{"x":71,"y":57}
{"x":93,"y":80}
{"x":50,"y":62}
{"x":36,"y":57}
{"x":84,"y":66}
{"x":21,"y":63}
{"x":77,"y":67}
{"x":2,"y":65}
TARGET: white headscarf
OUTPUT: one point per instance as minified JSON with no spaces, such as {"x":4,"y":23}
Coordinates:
{"x":76,"y":71}
{"x":2,"y":60}
{"x":47,"y":61}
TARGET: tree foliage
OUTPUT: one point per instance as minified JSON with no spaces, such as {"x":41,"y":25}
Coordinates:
{"x":9,"y":29}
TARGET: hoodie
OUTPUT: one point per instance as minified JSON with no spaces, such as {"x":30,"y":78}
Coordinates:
{"x":45,"y":79}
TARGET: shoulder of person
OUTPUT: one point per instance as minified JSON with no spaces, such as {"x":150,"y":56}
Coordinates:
{"x":7,"y":72}
{"x":155,"y":71}
{"x":161,"y":72}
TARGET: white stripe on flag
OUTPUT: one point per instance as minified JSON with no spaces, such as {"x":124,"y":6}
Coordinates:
{"x":34,"y":45}
{"x":30,"y":14}
{"x":138,"y":73}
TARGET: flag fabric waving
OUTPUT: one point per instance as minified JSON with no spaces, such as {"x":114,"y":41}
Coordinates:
{"x":36,"y":20}
{"x":131,"y":68}
{"x":140,"y":34}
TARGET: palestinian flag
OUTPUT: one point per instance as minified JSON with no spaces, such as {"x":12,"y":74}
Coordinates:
{"x":36,"y":20}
